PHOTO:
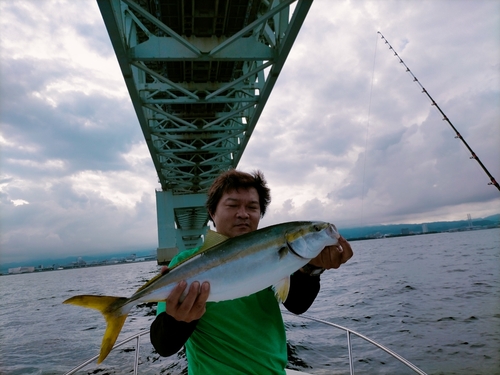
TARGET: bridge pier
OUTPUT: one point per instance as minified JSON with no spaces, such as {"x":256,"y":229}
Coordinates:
{"x":176,"y":229}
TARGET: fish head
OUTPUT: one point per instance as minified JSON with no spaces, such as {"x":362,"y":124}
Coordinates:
{"x":308,"y":239}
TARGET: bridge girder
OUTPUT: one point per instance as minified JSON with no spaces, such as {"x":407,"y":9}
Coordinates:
{"x":199,"y":73}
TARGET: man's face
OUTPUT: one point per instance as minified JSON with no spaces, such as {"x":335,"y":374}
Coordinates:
{"x":237,"y":212}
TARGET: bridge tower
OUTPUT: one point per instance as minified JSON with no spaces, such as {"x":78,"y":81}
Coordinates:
{"x":199,"y":73}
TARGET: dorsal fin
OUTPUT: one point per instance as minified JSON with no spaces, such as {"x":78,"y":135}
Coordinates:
{"x":212,"y":239}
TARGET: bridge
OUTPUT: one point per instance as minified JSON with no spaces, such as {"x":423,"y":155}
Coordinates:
{"x":199,"y":73}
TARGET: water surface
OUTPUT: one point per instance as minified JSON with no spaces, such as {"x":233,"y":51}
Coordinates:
{"x":434,"y":299}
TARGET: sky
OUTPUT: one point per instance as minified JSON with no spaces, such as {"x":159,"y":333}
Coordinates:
{"x":346,"y":136}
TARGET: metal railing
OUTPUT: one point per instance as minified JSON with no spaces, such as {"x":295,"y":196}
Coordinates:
{"x":135,"y":337}
{"x":348,"y":331}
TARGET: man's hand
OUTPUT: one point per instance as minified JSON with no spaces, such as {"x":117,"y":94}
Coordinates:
{"x":333,"y":256}
{"x":192,"y":306}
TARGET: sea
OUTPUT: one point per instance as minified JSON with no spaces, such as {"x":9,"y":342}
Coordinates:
{"x":433,"y":299}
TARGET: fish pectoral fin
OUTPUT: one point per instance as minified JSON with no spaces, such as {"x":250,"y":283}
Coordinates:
{"x":281,"y":289}
{"x":282,"y":252}
{"x":111,"y":308}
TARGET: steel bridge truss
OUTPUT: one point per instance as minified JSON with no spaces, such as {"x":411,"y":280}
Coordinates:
{"x":199,"y":73}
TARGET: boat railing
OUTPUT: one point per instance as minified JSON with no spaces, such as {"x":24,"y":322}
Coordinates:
{"x":136,"y":337}
{"x":349,"y":334}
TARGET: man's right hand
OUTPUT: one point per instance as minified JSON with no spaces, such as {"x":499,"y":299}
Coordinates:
{"x":193,"y":305}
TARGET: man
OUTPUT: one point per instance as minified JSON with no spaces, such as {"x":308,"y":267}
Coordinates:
{"x":245,"y":335}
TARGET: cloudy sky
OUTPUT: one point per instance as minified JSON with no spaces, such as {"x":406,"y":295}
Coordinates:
{"x":346,"y":136}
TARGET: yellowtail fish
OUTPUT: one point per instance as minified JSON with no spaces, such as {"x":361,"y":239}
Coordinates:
{"x":234,"y":267}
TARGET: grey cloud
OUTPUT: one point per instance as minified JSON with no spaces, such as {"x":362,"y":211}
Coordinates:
{"x":104,"y":127}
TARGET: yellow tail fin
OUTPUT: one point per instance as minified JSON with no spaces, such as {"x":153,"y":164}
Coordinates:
{"x":110,"y":307}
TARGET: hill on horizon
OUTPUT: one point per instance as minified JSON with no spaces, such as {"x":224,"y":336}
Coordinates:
{"x":437,"y":226}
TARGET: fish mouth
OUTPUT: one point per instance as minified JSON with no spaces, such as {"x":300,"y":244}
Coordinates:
{"x":333,"y":232}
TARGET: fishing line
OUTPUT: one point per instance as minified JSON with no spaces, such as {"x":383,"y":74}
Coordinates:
{"x":368,"y":131}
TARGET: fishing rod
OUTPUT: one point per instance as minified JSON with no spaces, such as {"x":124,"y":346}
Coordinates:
{"x":458,"y":135}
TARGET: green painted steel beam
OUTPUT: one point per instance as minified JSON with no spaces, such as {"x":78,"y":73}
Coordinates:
{"x":199,"y":73}
{"x":168,"y":49}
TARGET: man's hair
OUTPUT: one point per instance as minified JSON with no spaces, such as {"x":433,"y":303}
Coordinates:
{"x":233,"y":180}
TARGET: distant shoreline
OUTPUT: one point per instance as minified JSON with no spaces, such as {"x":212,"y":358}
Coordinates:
{"x":68,"y":267}
{"x":76,"y":265}
{"x":421,"y":233}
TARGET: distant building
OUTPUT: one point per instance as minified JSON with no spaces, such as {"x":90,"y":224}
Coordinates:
{"x":131,"y":258}
{"x":21,"y":270}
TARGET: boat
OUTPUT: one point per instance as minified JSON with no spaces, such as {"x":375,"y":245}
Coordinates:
{"x":349,"y":334}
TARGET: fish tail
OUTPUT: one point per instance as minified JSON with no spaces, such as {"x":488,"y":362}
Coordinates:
{"x":115,"y":315}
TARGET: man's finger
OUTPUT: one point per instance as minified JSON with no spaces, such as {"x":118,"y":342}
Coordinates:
{"x":186,"y":305}
{"x":347,"y":252}
{"x":201,"y":300}
{"x":175,"y":294}
{"x":335,"y":257}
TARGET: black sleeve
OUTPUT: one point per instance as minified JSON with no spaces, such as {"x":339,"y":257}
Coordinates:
{"x":169,"y":335}
{"x":302,"y":293}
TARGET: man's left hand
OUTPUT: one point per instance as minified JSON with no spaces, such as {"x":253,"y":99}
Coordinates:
{"x":333,"y":256}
